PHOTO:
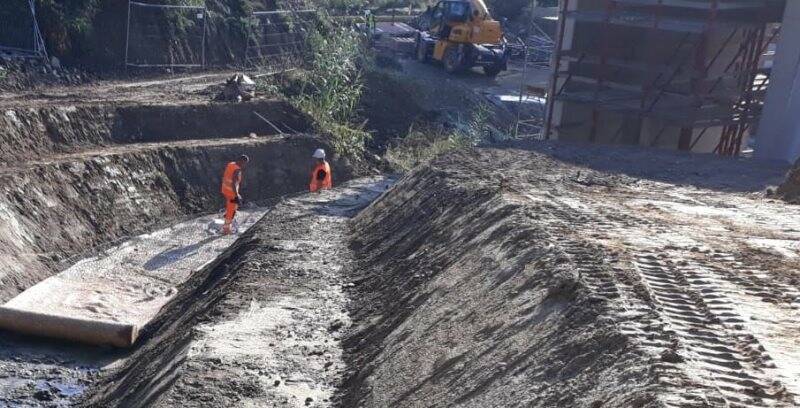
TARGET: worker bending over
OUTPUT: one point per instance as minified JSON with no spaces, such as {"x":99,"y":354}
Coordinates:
{"x":231,"y":183}
{"x":321,"y":177}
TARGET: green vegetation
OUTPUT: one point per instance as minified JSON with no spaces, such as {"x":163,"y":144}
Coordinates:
{"x":423,"y":144}
{"x":334,"y":86}
{"x":329,"y":85}
{"x":67,"y":24}
{"x":356,"y":6}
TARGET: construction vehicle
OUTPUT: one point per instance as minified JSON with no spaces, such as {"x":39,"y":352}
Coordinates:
{"x":462,"y":34}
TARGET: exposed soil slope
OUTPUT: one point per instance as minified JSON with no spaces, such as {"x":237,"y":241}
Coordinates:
{"x":117,"y":192}
{"x":506,"y":277}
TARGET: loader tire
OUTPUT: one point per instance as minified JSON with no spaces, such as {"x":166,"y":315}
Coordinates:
{"x":492,"y":70}
{"x":453,"y":60}
{"x":422,"y":50}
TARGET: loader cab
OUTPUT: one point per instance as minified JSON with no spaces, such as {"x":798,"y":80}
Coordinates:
{"x":448,"y":13}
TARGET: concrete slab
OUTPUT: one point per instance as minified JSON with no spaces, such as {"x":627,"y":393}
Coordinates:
{"x":105,"y":299}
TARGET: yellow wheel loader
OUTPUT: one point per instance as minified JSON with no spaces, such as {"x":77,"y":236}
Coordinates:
{"x":462,"y":34}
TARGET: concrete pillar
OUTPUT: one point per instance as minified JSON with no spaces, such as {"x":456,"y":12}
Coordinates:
{"x":778,"y":135}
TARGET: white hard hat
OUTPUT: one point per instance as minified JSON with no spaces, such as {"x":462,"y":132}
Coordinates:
{"x":319,"y":154}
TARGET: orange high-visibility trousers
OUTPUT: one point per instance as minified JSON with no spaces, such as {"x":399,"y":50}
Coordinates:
{"x":232,"y":176}
{"x":230,"y":210}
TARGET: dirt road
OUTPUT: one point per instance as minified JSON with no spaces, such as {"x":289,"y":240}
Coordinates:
{"x":181,"y":88}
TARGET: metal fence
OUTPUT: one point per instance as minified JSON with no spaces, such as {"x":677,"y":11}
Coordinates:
{"x":19,"y":30}
{"x":152,"y":31}
{"x":278,"y":39}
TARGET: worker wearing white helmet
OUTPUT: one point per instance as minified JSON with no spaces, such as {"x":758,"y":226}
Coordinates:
{"x":321,"y":177}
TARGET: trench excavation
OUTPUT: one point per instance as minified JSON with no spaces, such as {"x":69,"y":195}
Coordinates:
{"x":120,"y":171}
{"x":527,"y":274}
{"x":470,"y":283}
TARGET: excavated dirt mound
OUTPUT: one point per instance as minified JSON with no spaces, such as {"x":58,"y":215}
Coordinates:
{"x":507,"y":277}
{"x":465,"y":299}
{"x":789,"y":190}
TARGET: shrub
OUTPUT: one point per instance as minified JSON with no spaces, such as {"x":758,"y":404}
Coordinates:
{"x":423,"y":144}
{"x":333,"y":85}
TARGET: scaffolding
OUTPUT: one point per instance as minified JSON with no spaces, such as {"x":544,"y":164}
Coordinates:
{"x":534,"y":52}
{"x":686,"y":65}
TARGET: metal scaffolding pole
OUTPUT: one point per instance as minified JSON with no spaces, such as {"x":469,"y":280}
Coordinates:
{"x":678,"y":97}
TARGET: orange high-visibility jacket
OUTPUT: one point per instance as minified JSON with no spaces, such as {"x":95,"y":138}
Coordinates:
{"x":320,"y":180}
{"x":228,"y":183}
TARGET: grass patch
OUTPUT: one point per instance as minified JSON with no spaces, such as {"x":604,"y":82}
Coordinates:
{"x":423,"y":144}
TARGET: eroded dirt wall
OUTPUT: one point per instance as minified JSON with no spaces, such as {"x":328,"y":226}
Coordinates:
{"x":38,"y":132}
{"x":184,"y":122}
{"x":53,"y":211}
{"x":32,"y":132}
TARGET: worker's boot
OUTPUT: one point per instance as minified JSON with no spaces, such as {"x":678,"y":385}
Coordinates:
{"x":226,"y":228}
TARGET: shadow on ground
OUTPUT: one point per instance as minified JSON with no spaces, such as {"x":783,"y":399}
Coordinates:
{"x":708,"y":171}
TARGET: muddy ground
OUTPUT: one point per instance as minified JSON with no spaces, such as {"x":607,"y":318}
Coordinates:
{"x":516,"y":275}
{"x":262,"y":326}
{"x":570,"y":275}
{"x":522,"y":275}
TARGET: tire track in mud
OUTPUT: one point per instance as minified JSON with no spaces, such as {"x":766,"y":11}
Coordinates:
{"x":726,"y":358}
{"x":676,"y":311}
{"x":767,"y":310}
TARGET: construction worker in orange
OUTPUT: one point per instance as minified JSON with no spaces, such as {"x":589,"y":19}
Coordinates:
{"x":321,"y":177}
{"x":231,"y":183}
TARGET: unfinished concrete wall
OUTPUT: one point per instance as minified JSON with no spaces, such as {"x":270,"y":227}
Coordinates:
{"x":633,"y":79}
{"x":778,"y":135}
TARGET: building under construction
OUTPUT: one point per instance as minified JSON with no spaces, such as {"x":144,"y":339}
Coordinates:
{"x":685,"y":74}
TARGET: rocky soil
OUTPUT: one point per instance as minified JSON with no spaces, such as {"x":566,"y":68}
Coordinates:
{"x":29,"y":73}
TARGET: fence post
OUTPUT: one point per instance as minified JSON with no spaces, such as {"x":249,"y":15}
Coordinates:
{"x":205,"y":23}
{"x":127,"y":34}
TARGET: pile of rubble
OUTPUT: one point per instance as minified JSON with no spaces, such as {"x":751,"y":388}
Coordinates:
{"x":18,"y":74}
